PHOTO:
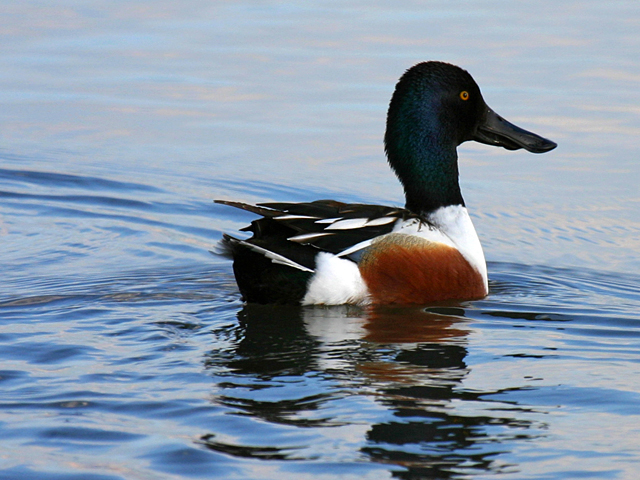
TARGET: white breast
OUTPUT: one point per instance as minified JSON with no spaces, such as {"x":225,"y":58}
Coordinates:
{"x":452,"y":226}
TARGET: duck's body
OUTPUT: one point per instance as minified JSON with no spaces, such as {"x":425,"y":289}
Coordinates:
{"x":327,"y":252}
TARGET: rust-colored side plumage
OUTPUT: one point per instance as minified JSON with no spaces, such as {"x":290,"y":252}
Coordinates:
{"x":406,"y":269}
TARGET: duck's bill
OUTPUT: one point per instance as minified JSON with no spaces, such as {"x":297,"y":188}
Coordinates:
{"x":495,"y":130}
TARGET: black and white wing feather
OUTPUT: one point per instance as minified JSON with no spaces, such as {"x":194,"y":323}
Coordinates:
{"x":324,"y":225}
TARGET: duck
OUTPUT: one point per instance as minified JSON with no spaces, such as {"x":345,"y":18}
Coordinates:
{"x":327,"y":252}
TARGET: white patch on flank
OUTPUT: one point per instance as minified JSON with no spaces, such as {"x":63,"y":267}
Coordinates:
{"x":336,"y":281}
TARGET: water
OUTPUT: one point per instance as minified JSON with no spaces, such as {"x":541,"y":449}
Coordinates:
{"x":125,"y":351}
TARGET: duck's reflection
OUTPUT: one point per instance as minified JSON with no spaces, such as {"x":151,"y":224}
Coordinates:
{"x":272,"y":342}
{"x":408,"y":362}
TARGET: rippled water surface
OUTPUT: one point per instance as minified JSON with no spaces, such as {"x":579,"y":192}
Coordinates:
{"x":125,"y":349}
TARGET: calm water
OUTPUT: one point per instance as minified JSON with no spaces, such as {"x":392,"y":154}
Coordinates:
{"x":125,"y":351}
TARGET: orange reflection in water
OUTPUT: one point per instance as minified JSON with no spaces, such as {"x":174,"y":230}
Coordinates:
{"x":410,"y":325}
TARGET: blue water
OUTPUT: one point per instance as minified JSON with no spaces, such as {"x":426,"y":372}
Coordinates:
{"x":125,"y":349}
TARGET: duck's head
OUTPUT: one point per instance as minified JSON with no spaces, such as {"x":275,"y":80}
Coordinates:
{"x":436,"y":107}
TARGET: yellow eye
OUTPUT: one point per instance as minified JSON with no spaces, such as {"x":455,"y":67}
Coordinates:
{"x":464,"y":95}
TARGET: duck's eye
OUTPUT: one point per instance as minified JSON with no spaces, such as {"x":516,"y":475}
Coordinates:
{"x":464,"y":95}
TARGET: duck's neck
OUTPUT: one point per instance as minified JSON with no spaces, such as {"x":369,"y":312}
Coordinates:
{"x":426,"y":162}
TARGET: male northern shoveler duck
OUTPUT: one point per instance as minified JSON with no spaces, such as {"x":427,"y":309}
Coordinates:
{"x":328,"y":252}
